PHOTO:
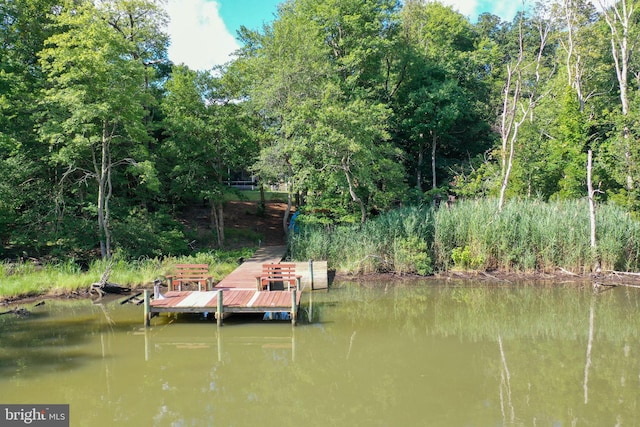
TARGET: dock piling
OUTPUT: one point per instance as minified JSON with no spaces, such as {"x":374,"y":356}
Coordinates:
{"x":219,"y":309}
{"x":147,"y":308}
{"x":294,"y":307}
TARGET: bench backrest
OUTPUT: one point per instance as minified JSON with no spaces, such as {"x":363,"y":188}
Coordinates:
{"x":277,"y":271}
{"x":191,"y":271}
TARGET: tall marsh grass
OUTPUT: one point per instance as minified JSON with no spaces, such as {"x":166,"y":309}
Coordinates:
{"x":396,"y":241}
{"x":527,"y":236}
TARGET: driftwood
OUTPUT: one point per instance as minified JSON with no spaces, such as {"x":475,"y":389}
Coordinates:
{"x":105,"y":287}
{"x":570,"y":273}
{"x":623,"y":273}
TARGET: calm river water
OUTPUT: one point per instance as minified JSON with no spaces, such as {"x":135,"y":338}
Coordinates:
{"x":419,"y":354}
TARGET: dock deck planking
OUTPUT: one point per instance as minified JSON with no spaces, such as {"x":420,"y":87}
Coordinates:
{"x":239,"y":290}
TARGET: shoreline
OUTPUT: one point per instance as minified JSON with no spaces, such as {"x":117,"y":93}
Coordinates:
{"x":599,"y":281}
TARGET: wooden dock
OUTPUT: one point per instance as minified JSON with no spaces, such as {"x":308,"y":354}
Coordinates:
{"x":238,"y":293}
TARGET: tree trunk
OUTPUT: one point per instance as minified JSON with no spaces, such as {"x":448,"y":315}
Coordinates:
{"x":592,"y":210}
{"x":287,"y":210}
{"x":510,"y":123}
{"x":217,"y":221}
{"x":354,"y":196}
{"x":618,"y":19}
{"x":434,"y":135}
{"x":419,"y":170}
{"x":103,"y":177}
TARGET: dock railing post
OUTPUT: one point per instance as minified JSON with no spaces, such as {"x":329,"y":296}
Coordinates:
{"x":219,"y":309}
{"x":147,"y":308}
{"x":294,"y":307}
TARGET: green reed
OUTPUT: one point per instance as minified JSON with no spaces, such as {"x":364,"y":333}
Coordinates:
{"x":527,"y":236}
{"x":394,"y":242}
{"x":532,"y":236}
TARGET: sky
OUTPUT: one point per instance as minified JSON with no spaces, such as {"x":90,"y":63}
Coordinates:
{"x":203,"y":32}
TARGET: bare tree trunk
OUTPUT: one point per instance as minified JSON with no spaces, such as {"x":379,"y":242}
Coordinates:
{"x":434,"y":141}
{"x":419,"y":170}
{"x":354,"y":196}
{"x":592,"y":211}
{"x":103,"y":177}
{"x":592,"y":204}
{"x":514,"y":112}
{"x":217,"y":221}
{"x":287,"y":210}
{"x":509,"y":126}
{"x":619,"y":20}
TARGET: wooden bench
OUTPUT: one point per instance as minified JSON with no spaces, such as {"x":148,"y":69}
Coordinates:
{"x":191,"y":274}
{"x":278,"y":273}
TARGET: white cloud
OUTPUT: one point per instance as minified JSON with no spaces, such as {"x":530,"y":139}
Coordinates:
{"x":199,"y":37}
{"x":465,"y":7}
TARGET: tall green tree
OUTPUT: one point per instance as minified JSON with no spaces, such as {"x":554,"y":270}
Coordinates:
{"x":25,"y":192}
{"x":208,"y":136}
{"x":324,"y":74}
{"x":95,"y":101}
{"x":438,"y":101}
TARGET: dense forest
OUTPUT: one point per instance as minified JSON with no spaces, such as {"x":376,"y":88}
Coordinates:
{"x":356,"y":107}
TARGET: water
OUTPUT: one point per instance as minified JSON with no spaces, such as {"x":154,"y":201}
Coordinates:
{"x":419,"y":354}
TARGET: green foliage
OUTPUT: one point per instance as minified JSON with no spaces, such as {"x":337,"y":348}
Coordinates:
{"x":349,"y":103}
{"x":463,"y":259}
{"x":144,"y":234}
{"x":411,"y":255}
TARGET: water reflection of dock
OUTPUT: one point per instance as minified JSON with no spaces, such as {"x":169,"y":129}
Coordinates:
{"x":237,"y":292}
{"x":166,"y":342}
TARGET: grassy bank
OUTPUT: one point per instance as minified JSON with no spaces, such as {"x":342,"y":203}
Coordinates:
{"x":25,"y":279}
{"x":526,"y":237}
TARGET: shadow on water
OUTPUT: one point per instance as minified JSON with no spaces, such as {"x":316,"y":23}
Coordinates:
{"x":52,"y":337}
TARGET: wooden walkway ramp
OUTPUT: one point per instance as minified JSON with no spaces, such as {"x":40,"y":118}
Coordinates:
{"x":238,"y":293}
{"x":314,"y":274}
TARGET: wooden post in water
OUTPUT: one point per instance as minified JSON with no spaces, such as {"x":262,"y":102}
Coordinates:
{"x":219,"y":309}
{"x":147,"y":308}
{"x":294,"y":307}
{"x":311,"y":272}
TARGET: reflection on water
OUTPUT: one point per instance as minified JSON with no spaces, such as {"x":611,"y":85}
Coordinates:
{"x":378,"y":354}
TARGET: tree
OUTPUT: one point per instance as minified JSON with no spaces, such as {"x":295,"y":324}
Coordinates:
{"x":208,"y":137}
{"x":624,"y":36}
{"x":520,"y":96}
{"x":25,"y":209}
{"x":322,"y":68}
{"x":436,"y":102}
{"x":94,"y":101}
